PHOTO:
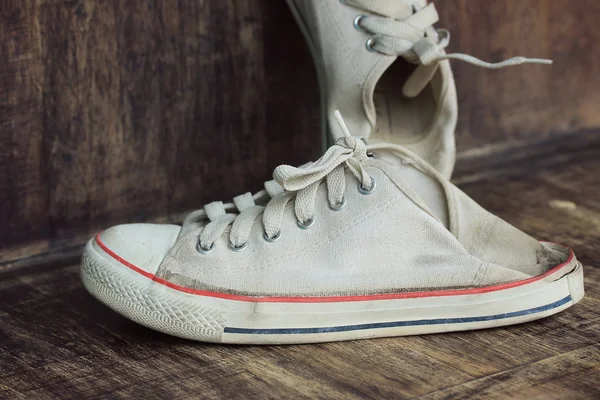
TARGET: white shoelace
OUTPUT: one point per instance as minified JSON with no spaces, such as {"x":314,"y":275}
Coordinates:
{"x":405,"y":28}
{"x":298,"y":183}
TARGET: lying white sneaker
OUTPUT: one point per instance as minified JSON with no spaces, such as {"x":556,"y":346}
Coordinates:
{"x":383,"y":65}
{"x":356,"y":247}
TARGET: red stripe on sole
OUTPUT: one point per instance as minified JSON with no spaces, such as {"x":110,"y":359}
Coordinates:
{"x":330,"y":299}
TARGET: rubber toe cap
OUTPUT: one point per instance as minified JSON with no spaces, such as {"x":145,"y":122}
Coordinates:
{"x":143,"y":245}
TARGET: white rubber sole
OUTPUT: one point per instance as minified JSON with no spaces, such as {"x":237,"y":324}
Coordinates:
{"x":226,"y":318}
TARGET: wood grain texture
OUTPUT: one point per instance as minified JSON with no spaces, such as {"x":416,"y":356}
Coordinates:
{"x":526,"y":101}
{"x":59,"y":342}
{"x":119,"y":111}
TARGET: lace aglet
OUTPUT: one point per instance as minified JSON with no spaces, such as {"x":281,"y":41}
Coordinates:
{"x":341,"y":123}
{"x":540,"y":61}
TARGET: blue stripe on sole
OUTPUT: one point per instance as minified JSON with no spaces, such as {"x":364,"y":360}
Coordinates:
{"x":440,"y":321}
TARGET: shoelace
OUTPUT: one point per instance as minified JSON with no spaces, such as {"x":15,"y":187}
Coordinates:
{"x":405,"y":28}
{"x":299,"y":183}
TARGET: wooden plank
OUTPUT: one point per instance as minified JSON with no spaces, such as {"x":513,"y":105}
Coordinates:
{"x":133,"y":111}
{"x":512,"y":158}
{"x":561,"y":377}
{"x":23,"y":179}
{"x":525,"y":101}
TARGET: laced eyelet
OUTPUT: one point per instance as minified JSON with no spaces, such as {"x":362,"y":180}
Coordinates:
{"x":370,"y":43}
{"x":271,"y":239}
{"x":338,"y":206}
{"x":364,"y":190}
{"x":237,"y":248}
{"x":356,"y":22}
{"x":305,"y":224}
{"x":202,"y":250}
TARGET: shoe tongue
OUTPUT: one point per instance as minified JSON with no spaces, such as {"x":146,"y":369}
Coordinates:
{"x":428,"y":188}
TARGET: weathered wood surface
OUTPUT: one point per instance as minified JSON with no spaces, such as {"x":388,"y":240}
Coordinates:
{"x":115,"y":111}
{"x":526,"y":101}
{"x":58,"y":342}
{"x":131,"y":110}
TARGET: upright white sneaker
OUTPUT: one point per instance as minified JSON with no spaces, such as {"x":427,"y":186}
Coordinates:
{"x":383,"y":65}
{"x":352,"y":247}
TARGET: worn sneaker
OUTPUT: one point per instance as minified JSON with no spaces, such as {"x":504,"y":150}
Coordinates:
{"x":383,"y":65}
{"x":356,"y":246}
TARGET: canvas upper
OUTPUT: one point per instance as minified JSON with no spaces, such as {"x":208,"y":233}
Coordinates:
{"x":383,"y":65}
{"x":347,"y":224}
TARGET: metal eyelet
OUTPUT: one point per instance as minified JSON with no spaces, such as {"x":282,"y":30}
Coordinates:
{"x":338,"y":206}
{"x":356,"y":22}
{"x":237,"y":248}
{"x":305,"y":224}
{"x":271,"y":239}
{"x":370,"y":43}
{"x":202,"y":250}
{"x":364,"y":190}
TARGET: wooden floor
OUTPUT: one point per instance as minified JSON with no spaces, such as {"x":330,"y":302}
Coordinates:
{"x":59,"y":342}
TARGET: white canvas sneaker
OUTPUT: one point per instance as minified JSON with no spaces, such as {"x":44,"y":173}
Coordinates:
{"x":350,"y":247}
{"x":383,"y":65}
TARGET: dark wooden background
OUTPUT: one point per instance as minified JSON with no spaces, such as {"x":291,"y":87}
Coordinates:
{"x":114,"y":111}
